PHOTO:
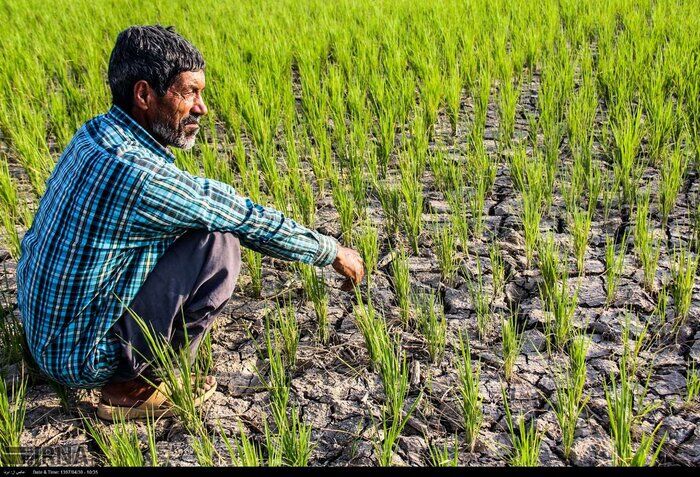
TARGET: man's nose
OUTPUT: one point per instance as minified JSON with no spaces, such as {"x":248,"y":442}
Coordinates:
{"x":199,"y":107}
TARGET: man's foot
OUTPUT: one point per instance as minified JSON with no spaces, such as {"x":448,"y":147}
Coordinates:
{"x":136,"y":391}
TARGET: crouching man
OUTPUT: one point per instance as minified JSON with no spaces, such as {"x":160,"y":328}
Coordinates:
{"x":121,"y":226}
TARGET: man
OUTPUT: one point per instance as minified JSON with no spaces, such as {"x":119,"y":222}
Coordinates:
{"x":121,"y":225}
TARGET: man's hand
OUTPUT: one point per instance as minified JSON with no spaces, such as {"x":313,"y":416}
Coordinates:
{"x":349,"y":264}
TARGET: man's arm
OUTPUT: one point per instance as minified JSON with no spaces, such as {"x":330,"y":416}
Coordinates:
{"x":174,"y":201}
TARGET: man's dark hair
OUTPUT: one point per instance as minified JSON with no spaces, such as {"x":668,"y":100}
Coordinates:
{"x":156,"y":54}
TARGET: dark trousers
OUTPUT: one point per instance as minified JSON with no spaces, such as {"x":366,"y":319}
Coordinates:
{"x":187,"y":289}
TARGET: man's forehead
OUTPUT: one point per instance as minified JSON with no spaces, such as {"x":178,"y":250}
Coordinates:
{"x":190,"y":78}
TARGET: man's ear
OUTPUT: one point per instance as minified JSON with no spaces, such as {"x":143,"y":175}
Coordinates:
{"x":142,"y":91}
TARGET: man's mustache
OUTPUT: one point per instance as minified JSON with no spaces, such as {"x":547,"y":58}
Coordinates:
{"x":190,"y":120}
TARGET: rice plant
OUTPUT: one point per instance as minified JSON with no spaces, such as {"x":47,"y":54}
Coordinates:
{"x":173,"y":366}
{"x":671,"y":176}
{"x":498,"y":269}
{"x":13,"y":408}
{"x":316,"y":290}
{"x":447,"y":259}
{"x":569,"y":400}
{"x":531,"y":218}
{"x":441,"y":456}
{"x":402,"y":284}
{"x":471,"y":401}
{"x":373,"y":329}
{"x":286,"y":324}
{"x":412,"y":194}
{"x":560,"y":304}
{"x":648,"y":246}
{"x":120,"y":444}
{"x":243,"y":452}
{"x":511,"y":343}
{"x":524,"y":437}
{"x":692,"y":383}
{"x":625,"y":396}
{"x":614,"y":262}
{"x":367,"y":240}
{"x":480,"y":301}
{"x":684,"y":269}
{"x":431,"y":323}
{"x":253,"y":261}
{"x":345,"y":205}
{"x":580,"y":230}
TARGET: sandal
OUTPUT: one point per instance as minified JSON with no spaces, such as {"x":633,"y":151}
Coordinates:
{"x":157,"y":404}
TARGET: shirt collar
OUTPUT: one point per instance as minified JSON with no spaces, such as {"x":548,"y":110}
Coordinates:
{"x":143,"y":136}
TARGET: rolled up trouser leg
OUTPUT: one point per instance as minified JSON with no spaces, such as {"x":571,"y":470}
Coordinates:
{"x":189,"y":286}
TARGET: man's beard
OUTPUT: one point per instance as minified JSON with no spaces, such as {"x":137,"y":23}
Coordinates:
{"x":176,"y":137}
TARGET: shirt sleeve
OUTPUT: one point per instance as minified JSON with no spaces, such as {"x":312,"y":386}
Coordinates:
{"x":174,"y":201}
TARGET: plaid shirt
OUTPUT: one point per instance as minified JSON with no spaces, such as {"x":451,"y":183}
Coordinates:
{"x":113,"y":204}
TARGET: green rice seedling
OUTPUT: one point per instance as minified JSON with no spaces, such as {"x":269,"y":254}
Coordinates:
{"x":286,"y":324}
{"x":614,"y":263}
{"x":561,"y":306}
{"x":448,"y":172}
{"x":412,"y":194}
{"x":441,"y":456}
{"x":243,"y":452}
{"x":567,"y":407}
{"x":530,"y":218}
{"x":647,"y":246}
{"x":480,"y":301}
{"x":402,"y":284}
{"x":373,"y":329}
{"x":390,"y":197}
{"x":344,"y":204}
{"x":550,"y":265}
{"x":577,"y":351}
{"x":470,"y":401}
{"x":511,"y":343}
{"x":683,"y":272}
{"x":525,"y":439}
{"x":8,"y":193}
{"x":431,"y":323}
{"x":278,"y":381}
{"x":13,"y":407}
{"x":453,"y":96}
{"x":475,"y":203}
{"x":367,"y":241}
{"x":508,"y":95}
{"x":460,"y":220}
{"x":316,"y":290}
{"x":172,"y":365}
{"x":532,"y":129}
{"x":517,"y":167}
{"x":120,"y":444}
{"x":273,"y":447}
{"x":695,"y":225}
{"x":393,"y":369}
{"x":580,"y":231}
{"x":11,"y":235}
{"x":10,"y":336}
{"x":444,"y":240}
{"x":671,"y":176}
{"x":627,"y":136}
{"x":295,"y":440}
{"x":498,"y":269}
{"x":569,"y":385}
{"x":625,"y":396}
{"x":391,"y":430}
{"x":253,"y":261}
{"x":692,"y":383}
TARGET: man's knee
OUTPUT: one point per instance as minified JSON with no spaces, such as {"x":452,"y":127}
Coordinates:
{"x":225,"y":256}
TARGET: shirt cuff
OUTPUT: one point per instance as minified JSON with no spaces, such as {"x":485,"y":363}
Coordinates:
{"x":327,"y":251}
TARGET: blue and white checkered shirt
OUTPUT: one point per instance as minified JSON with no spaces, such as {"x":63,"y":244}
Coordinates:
{"x":113,"y":204}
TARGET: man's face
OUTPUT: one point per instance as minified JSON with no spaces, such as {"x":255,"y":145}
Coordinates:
{"x":175,"y":117}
